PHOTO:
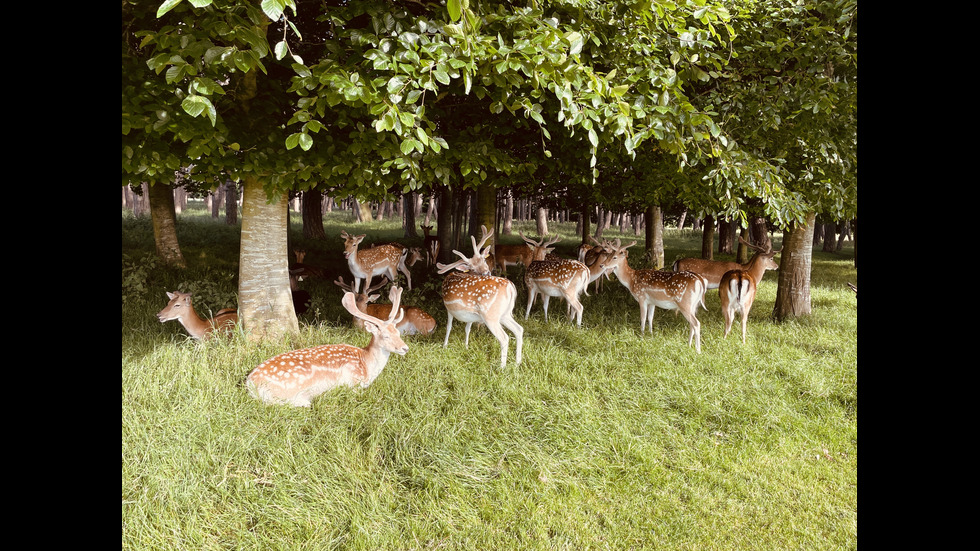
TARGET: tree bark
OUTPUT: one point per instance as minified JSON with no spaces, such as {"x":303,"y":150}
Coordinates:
{"x":508,"y":214}
{"x":161,"y":199}
{"x":231,"y":203}
{"x":408,"y":207}
{"x":726,"y":237}
{"x":793,"y":293}
{"x":708,"y":238}
{"x":265,"y":303}
{"x":312,"y":205}
{"x":542,"y":221}
{"x":655,"y":236}
{"x":444,"y":230}
{"x":485,"y":211}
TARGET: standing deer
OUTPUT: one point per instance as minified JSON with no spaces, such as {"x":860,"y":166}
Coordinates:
{"x":505,"y":256}
{"x":409,"y":256}
{"x":299,"y":376}
{"x":431,"y":246}
{"x":180,"y":308}
{"x":476,"y":296}
{"x":563,"y":278}
{"x":414,"y":321}
{"x":713,"y":270}
{"x":380,"y":260}
{"x":594,"y":257}
{"x":681,"y":291}
{"x":737,"y":290}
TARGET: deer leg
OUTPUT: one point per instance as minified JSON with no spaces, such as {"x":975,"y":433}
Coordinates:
{"x":449,"y":328}
{"x":531,"y":295}
{"x":466,"y":341}
{"x":545,"y":298}
{"x":745,"y":319}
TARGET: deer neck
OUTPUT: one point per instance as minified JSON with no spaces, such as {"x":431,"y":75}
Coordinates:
{"x":195,"y":325}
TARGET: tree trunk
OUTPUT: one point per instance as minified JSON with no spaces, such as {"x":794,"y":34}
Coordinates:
{"x":726,"y":237}
{"x":542,"y":221}
{"x":793,"y":293}
{"x":161,"y":199}
{"x":680,"y":221}
{"x":265,"y":303}
{"x":760,"y":233}
{"x":485,"y":210}
{"x":231,"y":203}
{"x":742,"y":256}
{"x":409,"y":200}
{"x":655,"y":236}
{"x":708,"y":238}
{"x":444,"y":230}
{"x":508,"y":214}
{"x":312,"y":205}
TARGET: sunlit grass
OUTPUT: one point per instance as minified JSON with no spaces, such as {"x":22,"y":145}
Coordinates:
{"x":602,"y":438}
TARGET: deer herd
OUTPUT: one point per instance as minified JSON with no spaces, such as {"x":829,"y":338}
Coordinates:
{"x":471,"y":293}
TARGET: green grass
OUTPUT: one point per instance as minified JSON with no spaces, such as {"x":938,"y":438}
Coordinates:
{"x":601,"y":439}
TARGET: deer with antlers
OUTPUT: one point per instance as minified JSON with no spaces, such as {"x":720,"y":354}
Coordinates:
{"x":472,"y":295}
{"x":181,"y":308}
{"x":564,"y":278}
{"x":681,"y":291}
{"x":713,"y":270}
{"x":297,"y":377}
{"x":505,"y":256}
{"x":414,"y":321}
{"x":385,"y":259}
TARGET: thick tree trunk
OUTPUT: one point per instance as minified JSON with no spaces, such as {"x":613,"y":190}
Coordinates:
{"x":793,"y":293}
{"x":312,"y":205}
{"x":655,"y":236}
{"x":584,"y":218}
{"x":726,"y":237}
{"x":265,"y":303}
{"x":708,"y":238}
{"x":760,"y":233}
{"x":161,"y":199}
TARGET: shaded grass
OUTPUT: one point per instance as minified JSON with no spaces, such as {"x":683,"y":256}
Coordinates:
{"x":601,"y":439}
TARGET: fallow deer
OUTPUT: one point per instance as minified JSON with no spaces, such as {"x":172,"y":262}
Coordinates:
{"x":297,"y":377}
{"x":472,"y":295}
{"x":181,"y":308}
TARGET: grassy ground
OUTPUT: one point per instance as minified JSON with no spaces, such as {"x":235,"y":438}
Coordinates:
{"x":601,"y":439}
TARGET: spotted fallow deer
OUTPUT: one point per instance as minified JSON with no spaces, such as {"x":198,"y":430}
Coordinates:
{"x":713,"y":270}
{"x":681,"y":291}
{"x":367,"y":263}
{"x":737,"y":291}
{"x":416,"y":321}
{"x":297,"y":377}
{"x":181,"y":308}
{"x":564,"y":278}
{"x":472,"y":295}
{"x":505,"y":256}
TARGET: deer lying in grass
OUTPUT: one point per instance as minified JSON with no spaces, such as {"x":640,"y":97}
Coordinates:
{"x":297,"y":377}
{"x":415,"y":321}
{"x":181,"y":308}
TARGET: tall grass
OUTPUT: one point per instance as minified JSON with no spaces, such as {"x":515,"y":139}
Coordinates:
{"x":602,"y":438}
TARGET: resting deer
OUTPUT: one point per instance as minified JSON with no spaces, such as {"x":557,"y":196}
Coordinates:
{"x":737,"y":290}
{"x":713,"y":270}
{"x":505,"y":256}
{"x":682,"y":291}
{"x":180,"y":308}
{"x":297,"y":377}
{"x":563,"y":278}
{"x":475,"y":296}
{"x":380,"y":260}
{"x":299,"y":268}
{"x":415,"y":320}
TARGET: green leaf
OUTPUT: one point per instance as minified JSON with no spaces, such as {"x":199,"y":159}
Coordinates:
{"x":273,"y":8}
{"x":167,"y":6}
{"x":454,"y":9}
